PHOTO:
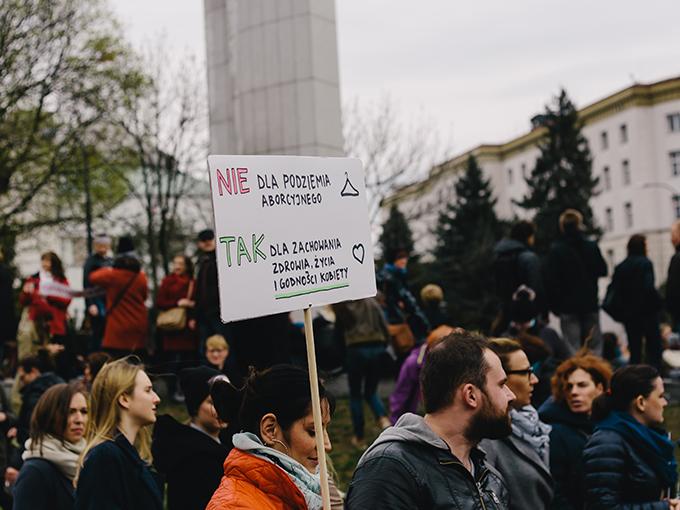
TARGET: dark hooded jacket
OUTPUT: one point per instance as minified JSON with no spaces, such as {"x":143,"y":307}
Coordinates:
{"x":634,"y":282}
{"x":30,"y":394}
{"x":570,"y":432}
{"x":528,"y":268}
{"x":574,"y":266}
{"x":410,"y":467}
{"x":191,"y":461}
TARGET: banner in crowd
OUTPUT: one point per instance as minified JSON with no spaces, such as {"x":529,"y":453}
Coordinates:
{"x":60,"y":290}
{"x":291,"y":233}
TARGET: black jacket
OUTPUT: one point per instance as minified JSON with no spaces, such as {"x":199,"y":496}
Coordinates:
{"x":528,"y":268}
{"x":673,"y":288}
{"x":634,"y":283}
{"x":115,"y":477}
{"x":569,"y":434}
{"x":30,"y":394}
{"x":617,"y":477}
{"x":394,"y":286}
{"x":207,"y":293}
{"x":94,"y":262}
{"x":41,"y":486}
{"x":409,"y":467}
{"x":7,"y":317}
{"x":574,"y":266}
{"x":191,"y":461}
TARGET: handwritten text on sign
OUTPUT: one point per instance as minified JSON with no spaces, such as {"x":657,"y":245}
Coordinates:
{"x":291,"y":232}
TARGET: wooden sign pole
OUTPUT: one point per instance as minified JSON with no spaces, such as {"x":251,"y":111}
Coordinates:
{"x":316,"y":409}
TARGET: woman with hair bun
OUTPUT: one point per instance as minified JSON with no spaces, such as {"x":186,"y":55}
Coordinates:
{"x":57,"y":429}
{"x":274,"y":463}
{"x":115,"y":466}
{"x":628,"y":462}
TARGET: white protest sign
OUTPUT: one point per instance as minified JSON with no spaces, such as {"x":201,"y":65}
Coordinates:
{"x":291,"y":233}
{"x":56,"y":289}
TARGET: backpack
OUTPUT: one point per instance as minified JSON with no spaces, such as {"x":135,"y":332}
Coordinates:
{"x":507,"y":275}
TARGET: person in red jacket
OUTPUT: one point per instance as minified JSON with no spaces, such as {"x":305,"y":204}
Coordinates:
{"x":126,"y":291}
{"x":178,"y":289}
{"x":35,"y":297}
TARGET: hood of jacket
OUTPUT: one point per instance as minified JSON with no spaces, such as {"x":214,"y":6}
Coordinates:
{"x":573,"y":237}
{"x":507,"y":245}
{"x":41,"y":384}
{"x":551,"y":412}
{"x":411,"y":428}
{"x":174,"y":445}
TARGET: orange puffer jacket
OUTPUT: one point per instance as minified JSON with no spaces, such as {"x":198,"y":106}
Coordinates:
{"x":250,"y":482}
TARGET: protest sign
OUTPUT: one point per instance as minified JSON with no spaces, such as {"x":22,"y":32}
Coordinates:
{"x":291,"y":233}
{"x":60,"y":290}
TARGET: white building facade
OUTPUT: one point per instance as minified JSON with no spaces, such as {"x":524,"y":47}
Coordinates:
{"x":634,"y":139}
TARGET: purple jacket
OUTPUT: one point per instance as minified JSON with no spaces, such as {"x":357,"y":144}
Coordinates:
{"x":406,"y":395}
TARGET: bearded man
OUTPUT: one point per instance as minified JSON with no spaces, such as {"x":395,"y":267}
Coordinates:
{"x":434,"y":462}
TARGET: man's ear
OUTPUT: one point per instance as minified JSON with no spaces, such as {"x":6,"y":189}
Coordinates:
{"x":471,"y":395}
{"x":640,"y":403}
{"x":268,"y":428}
{"x":123,"y":401}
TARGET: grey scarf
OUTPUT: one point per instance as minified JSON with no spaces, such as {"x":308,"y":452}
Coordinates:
{"x":527,"y":426}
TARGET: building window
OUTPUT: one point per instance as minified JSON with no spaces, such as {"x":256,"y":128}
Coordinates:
{"x":605,"y":142}
{"x":524,"y":170}
{"x":607,"y":179}
{"x":609,"y":218}
{"x":629,"y":214}
{"x":509,"y":175}
{"x":626,"y":172}
{"x":674,"y":122}
{"x":676,"y":207}
{"x":624,"y":134}
{"x":675,"y":164}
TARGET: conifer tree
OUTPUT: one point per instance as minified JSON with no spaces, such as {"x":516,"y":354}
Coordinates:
{"x":396,"y":232}
{"x":466,"y":233}
{"x":562,"y":178}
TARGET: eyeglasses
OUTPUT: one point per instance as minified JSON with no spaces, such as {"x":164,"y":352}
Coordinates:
{"x":527,"y":371}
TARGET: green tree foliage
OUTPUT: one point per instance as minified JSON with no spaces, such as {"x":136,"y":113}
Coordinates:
{"x":396,"y":233}
{"x":54,"y":57}
{"x":562,"y":178}
{"x":466,"y":232}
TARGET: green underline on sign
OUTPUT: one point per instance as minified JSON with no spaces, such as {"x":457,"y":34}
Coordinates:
{"x":310,"y":291}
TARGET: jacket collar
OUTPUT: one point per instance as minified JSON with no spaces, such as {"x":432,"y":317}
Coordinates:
{"x":152,"y":481}
{"x":525,"y":450}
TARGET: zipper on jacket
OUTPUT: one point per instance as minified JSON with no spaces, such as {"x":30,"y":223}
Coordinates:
{"x":481,"y":497}
{"x":478,"y":484}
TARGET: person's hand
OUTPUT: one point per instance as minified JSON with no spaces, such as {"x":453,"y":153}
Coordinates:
{"x":54,"y":348}
{"x":10,"y":476}
{"x":94,"y":311}
{"x":12,"y":432}
{"x":192,"y":324}
{"x":29,"y":287}
{"x":3,"y":417}
{"x":674,"y":503}
{"x":185,"y":303}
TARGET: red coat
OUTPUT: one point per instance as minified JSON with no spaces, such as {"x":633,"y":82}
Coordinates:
{"x":127,"y":325}
{"x":173,"y":288}
{"x":58,"y":305}
{"x":253,"y":483}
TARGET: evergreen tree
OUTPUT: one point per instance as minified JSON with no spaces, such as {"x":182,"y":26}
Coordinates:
{"x":562,"y":178}
{"x":466,"y":233}
{"x":396,"y":233}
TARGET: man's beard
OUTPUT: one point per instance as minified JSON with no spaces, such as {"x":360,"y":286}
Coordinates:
{"x":488,"y":423}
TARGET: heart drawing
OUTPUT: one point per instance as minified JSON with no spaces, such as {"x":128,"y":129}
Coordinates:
{"x":358,"y":253}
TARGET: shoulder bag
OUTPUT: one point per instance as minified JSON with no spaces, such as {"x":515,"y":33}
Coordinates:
{"x":174,"y":319}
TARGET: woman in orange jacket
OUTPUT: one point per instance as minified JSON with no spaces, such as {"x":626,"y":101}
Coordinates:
{"x":273,"y":465}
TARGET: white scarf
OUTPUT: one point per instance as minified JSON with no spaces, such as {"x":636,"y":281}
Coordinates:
{"x":309,"y":484}
{"x":63,"y":454}
{"x":45,"y":276}
{"x":527,"y":426}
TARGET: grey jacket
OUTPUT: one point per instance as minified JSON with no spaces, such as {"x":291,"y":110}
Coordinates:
{"x":410,"y":467}
{"x":527,"y":475}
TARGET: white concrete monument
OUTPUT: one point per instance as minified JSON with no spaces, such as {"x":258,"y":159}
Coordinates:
{"x":273,"y":77}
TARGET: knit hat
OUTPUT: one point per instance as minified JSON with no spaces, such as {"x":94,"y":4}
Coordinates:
{"x":206,"y":235}
{"x":522,"y":308}
{"x":195,"y":383}
{"x":125,"y":244}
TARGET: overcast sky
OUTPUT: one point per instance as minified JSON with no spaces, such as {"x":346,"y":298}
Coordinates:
{"x":479,"y":69}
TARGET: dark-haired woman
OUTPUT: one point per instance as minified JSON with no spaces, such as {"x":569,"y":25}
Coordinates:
{"x":628,"y":462}
{"x":634,"y":283}
{"x":34,"y":297}
{"x":274,"y":461}
{"x":57,"y":428}
{"x":178,"y":289}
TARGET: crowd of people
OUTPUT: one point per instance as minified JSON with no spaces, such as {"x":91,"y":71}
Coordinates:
{"x":524,"y":418}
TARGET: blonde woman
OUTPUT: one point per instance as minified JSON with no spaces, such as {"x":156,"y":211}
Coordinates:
{"x":115,"y":468}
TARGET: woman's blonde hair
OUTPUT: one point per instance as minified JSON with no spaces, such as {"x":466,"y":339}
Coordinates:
{"x":113,"y":380}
